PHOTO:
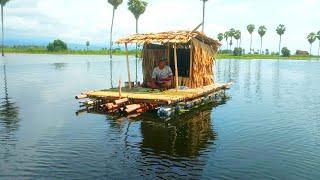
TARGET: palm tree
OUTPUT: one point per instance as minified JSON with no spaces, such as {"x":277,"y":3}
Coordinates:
{"x":281,"y":29}
{"x":262,"y":31}
{"x":137,"y":7}
{"x":232,"y":32}
{"x":311,"y":38}
{"x":115,"y":4}
{"x":88,"y":44}
{"x":237,"y":36}
{"x":226,"y":37}
{"x":250,"y":29}
{"x":318,"y":36}
{"x":203,"y":13}
{"x":3,"y":3}
{"x":220,"y":36}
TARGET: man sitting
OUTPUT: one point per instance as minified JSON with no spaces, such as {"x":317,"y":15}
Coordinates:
{"x":161,"y":76}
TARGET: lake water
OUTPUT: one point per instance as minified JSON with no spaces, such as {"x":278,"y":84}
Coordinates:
{"x":268,"y":129}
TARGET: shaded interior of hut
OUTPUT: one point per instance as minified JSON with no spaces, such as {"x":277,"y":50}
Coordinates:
{"x":194,"y":63}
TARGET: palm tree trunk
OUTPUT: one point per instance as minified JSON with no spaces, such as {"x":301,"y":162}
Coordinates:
{"x":137,"y":52}
{"x":2,"y":38}
{"x":261,"y":46}
{"x":279,"y":45}
{"x":110,"y":48}
{"x":310,"y":49}
{"x":250,"y":42}
{"x":203,"y":14}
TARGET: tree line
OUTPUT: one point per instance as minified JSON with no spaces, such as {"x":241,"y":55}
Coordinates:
{"x":262,"y":30}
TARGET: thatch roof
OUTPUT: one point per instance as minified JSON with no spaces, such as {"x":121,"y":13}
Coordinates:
{"x":169,"y":37}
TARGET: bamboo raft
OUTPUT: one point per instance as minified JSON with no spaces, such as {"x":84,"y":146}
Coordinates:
{"x":191,"y":56}
{"x":124,"y":101}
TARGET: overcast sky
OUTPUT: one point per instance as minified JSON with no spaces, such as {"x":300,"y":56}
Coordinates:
{"x":77,"y":21}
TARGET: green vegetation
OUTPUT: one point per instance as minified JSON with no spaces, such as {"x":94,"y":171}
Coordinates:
{"x":3,"y":3}
{"x":285,"y":52}
{"x":57,"y":46}
{"x":44,"y":50}
{"x":261,"y":31}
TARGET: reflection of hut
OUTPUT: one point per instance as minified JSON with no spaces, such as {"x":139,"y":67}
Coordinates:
{"x":183,"y":138}
{"x":190,"y":55}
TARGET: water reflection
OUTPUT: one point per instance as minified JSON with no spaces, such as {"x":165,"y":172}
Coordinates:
{"x":59,"y":66}
{"x":9,"y":111}
{"x":185,"y":136}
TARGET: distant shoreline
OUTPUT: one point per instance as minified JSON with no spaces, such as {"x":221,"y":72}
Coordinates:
{"x":132,"y":53}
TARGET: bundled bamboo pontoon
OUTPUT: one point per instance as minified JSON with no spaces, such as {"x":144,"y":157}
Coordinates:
{"x":190,"y":54}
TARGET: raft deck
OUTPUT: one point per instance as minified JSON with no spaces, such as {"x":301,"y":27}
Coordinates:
{"x":145,"y":95}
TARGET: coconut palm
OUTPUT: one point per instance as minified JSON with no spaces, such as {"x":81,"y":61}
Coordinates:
{"x":250,"y":29}
{"x":237,"y":36}
{"x":137,"y":7}
{"x":88,"y":44}
{"x":262,"y":31}
{"x":312,"y":37}
{"x":318,"y":36}
{"x":220,"y":36}
{"x":203,"y":13}
{"x":226,"y":37}
{"x":232,"y":32}
{"x":281,"y":29}
{"x":3,"y":3}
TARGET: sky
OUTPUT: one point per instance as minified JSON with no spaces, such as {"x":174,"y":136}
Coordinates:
{"x":76,"y":21}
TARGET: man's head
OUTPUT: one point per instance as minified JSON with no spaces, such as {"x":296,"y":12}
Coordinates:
{"x":162,"y":63}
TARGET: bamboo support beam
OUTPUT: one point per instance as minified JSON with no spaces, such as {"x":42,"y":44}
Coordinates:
{"x":176,"y":67}
{"x":128,"y":65}
{"x":168,"y":54}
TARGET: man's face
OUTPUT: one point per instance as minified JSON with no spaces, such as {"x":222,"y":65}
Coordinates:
{"x":162,"y":64}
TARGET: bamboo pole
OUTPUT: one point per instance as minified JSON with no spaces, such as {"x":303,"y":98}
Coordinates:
{"x":120,"y":90}
{"x":176,"y":67}
{"x":128,"y":65}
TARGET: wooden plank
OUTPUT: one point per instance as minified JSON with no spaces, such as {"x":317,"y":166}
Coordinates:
{"x":128,"y":65}
{"x":176,"y":67}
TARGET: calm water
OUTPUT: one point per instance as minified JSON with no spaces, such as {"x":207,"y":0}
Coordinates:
{"x":269,"y":129}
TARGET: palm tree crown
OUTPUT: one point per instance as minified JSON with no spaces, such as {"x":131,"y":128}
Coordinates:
{"x":137,"y":7}
{"x":220,"y":36}
{"x":312,"y":37}
{"x":262,"y":31}
{"x":281,"y":29}
{"x":115,"y":3}
{"x":251,"y":28}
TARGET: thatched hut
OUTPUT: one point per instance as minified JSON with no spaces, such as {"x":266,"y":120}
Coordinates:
{"x":190,"y":54}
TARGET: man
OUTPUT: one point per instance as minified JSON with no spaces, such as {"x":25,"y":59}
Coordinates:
{"x":161,"y":76}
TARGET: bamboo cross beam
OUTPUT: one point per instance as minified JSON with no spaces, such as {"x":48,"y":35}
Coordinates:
{"x":176,"y":67}
{"x":128,"y":65}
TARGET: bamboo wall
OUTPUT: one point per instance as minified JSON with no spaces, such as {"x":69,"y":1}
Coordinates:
{"x":203,"y":64}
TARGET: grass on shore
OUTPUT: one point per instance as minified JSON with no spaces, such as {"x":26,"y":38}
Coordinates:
{"x":43,"y":50}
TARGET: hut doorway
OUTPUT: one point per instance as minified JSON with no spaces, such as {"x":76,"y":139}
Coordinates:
{"x":183,"y":56}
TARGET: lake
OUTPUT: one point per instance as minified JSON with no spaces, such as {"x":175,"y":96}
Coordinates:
{"x":268,"y":129}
